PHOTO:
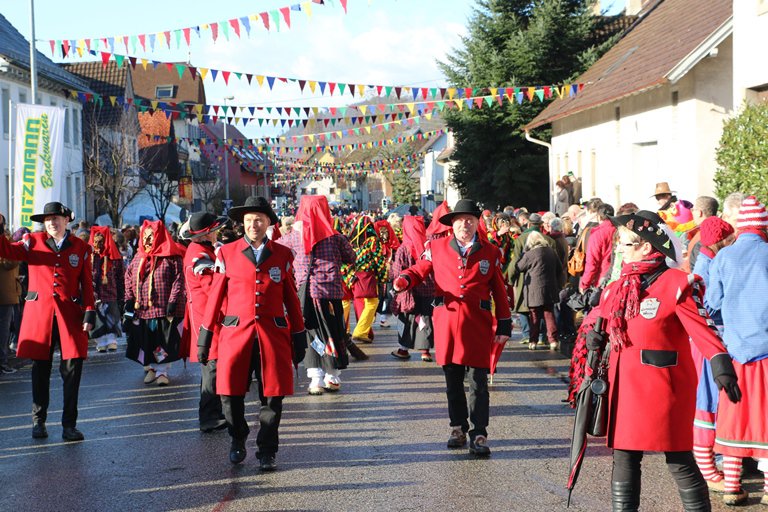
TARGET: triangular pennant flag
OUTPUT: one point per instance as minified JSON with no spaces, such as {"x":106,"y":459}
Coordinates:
{"x":286,"y":12}
{"x":214,"y":74}
{"x":225,"y":74}
{"x":244,"y":21}
{"x":322,"y":87}
{"x":451,"y":92}
{"x":152,"y":38}
{"x":275,"y":16}
{"x":143,"y":41}
{"x":119,"y":59}
{"x":260,"y":80}
{"x":235,"y":24}
{"x":203,"y":73}
{"x":214,"y":31}
{"x":270,"y":82}
{"x":186,"y":35}
{"x":331,"y":87}
{"x":265,"y":19}
{"x":302,"y":83}
{"x":104,"y":58}
{"x":530,"y":91}
{"x":224,"y":27}
{"x":540,"y":94}
{"x":180,"y":69}
{"x":193,"y":72}
{"x":344,"y":5}
{"x":342,"y":88}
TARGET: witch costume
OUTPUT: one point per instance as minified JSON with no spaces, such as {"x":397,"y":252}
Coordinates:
{"x":155,"y":302}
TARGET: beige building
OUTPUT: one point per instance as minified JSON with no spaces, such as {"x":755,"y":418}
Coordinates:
{"x":652,"y":108}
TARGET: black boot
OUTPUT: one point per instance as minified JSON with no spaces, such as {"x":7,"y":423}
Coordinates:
{"x":625,"y":496}
{"x":237,"y":451}
{"x":696,"y":499}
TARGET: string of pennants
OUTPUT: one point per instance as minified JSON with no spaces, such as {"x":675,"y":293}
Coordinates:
{"x":398,"y":111}
{"x":149,"y":42}
{"x":261,"y":147}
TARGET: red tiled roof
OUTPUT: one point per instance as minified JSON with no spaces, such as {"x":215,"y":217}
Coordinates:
{"x":665,"y":34}
{"x":186,"y":89}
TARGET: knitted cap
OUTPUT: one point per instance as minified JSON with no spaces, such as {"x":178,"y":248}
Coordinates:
{"x":713,"y":230}
{"x":752,"y":214}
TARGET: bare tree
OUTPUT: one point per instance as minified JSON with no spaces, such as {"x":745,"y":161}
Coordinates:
{"x":160,"y":189}
{"x":111,"y":157}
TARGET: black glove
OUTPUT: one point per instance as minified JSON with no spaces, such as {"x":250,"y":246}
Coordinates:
{"x":725,"y":376}
{"x":202,"y":354}
{"x":595,"y":340}
{"x":170,"y":309}
{"x":299,"y":346}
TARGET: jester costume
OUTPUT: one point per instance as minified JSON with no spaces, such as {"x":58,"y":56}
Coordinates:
{"x":108,"y":288}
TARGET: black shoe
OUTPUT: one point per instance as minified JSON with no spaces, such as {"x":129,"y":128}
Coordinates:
{"x":39,"y":431}
{"x":211,"y":427}
{"x":237,"y":451}
{"x":479,"y":447}
{"x":71,"y":434}
{"x":457,"y":439}
{"x":267,"y":463}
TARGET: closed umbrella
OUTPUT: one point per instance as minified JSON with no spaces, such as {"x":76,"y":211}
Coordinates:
{"x":585,"y":401}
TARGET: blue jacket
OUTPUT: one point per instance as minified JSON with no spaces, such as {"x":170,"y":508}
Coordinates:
{"x":738,"y":284}
{"x":701,"y":269}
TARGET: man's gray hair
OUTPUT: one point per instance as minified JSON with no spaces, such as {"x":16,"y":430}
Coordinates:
{"x":707,"y":205}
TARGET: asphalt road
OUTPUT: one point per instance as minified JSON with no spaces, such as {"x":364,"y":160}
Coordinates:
{"x":378,"y":445}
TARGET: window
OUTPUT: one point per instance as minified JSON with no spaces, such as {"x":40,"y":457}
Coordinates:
{"x":22,"y":97}
{"x":53,"y":102}
{"x":67,"y":134}
{"x":76,"y":127}
{"x":5,"y":97}
{"x":675,"y":98}
{"x":313,"y":191}
{"x":164,"y":91}
{"x":77,"y":200}
{"x":332,"y":190}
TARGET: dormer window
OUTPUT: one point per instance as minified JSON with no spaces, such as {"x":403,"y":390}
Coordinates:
{"x":164,"y":91}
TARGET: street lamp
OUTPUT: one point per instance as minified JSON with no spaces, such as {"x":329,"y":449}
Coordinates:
{"x":228,"y":201}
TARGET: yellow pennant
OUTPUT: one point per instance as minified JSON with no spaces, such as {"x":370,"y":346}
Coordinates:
{"x":112,"y":100}
{"x":260,"y":79}
{"x":360,"y":89}
{"x":203,"y":72}
{"x":312,"y":86}
{"x":451,"y":92}
{"x":144,"y":63}
{"x":411,"y":106}
{"x":307,"y":8}
{"x":363,"y":108}
{"x":154,"y":104}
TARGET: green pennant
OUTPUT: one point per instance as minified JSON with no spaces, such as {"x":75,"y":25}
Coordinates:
{"x":238,"y":75}
{"x":343,"y":111}
{"x":433,"y":92}
{"x":261,"y":121}
{"x":98,"y":100}
{"x":134,"y":42}
{"x":342,"y":87}
{"x":297,"y":110}
{"x":333,"y":121}
{"x":441,"y":105}
{"x":488,"y":100}
{"x":275,"y":15}
{"x":539,"y":94}
{"x":180,"y":69}
{"x":224,"y":27}
{"x":269,"y":110}
{"x":177,"y":33}
{"x":357,"y":131}
{"x":119,"y":59}
{"x":387,"y":90}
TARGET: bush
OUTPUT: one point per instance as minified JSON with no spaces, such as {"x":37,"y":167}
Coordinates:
{"x":742,"y":156}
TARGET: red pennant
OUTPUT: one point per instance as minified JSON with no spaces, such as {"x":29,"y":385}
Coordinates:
{"x":225,"y":74}
{"x":143,"y":41}
{"x":88,"y":45}
{"x":125,"y":43}
{"x":193,"y":72}
{"x":344,"y":5}
{"x":65,"y":47}
{"x":378,"y":89}
{"x":168,"y":38}
{"x":214,"y":31}
{"x":169,"y":65}
{"x":104,"y":58}
{"x":467,"y":92}
{"x":547,"y":91}
{"x":331,"y":87}
{"x":265,"y":19}
{"x":53,"y":47}
{"x":286,"y":12}
{"x":186,"y":34}
{"x":235,"y":24}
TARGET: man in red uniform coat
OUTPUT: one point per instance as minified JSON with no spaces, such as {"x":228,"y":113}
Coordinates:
{"x":252,"y":287}
{"x":201,"y":230}
{"x":467,"y":271}
{"x":59,"y":311}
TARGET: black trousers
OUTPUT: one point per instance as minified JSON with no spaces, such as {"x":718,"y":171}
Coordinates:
{"x":479,"y":399}
{"x":209,"y":411}
{"x":682,"y":466}
{"x":70,"y":369}
{"x":269,"y":414}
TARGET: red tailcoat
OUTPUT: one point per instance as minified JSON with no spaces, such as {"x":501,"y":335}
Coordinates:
{"x":60,"y":284}
{"x":247,"y":297}
{"x":652,"y":382}
{"x":197,"y":286}
{"x":464,"y":287}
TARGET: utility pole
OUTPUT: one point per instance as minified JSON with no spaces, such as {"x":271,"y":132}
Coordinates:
{"x":32,"y":52}
{"x":227,"y":200}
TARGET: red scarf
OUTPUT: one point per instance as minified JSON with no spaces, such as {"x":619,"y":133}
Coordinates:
{"x":316,"y":222}
{"x":625,"y":303}
{"x":108,"y":252}
{"x":414,"y":235}
{"x":162,"y":246}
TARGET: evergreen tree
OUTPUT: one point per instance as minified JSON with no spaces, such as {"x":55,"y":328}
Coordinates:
{"x":405,"y":187}
{"x":514,"y":43}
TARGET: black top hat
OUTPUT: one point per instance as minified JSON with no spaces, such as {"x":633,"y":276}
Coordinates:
{"x":463,"y":207}
{"x":253,"y":204}
{"x":201,"y":223}
{"x":54,"y":208}
{"x":648,"y":225}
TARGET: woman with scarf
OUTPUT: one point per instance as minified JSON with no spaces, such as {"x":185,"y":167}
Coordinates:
{"x":651,"y":312}
{"x":365,"y":275}
{"x":155,"y":302}
{"x":390,"y":242}
{"x":108,"y":288}
{"x":413,"y":308}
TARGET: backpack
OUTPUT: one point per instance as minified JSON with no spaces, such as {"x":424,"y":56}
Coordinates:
{"x":578,"y":256}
